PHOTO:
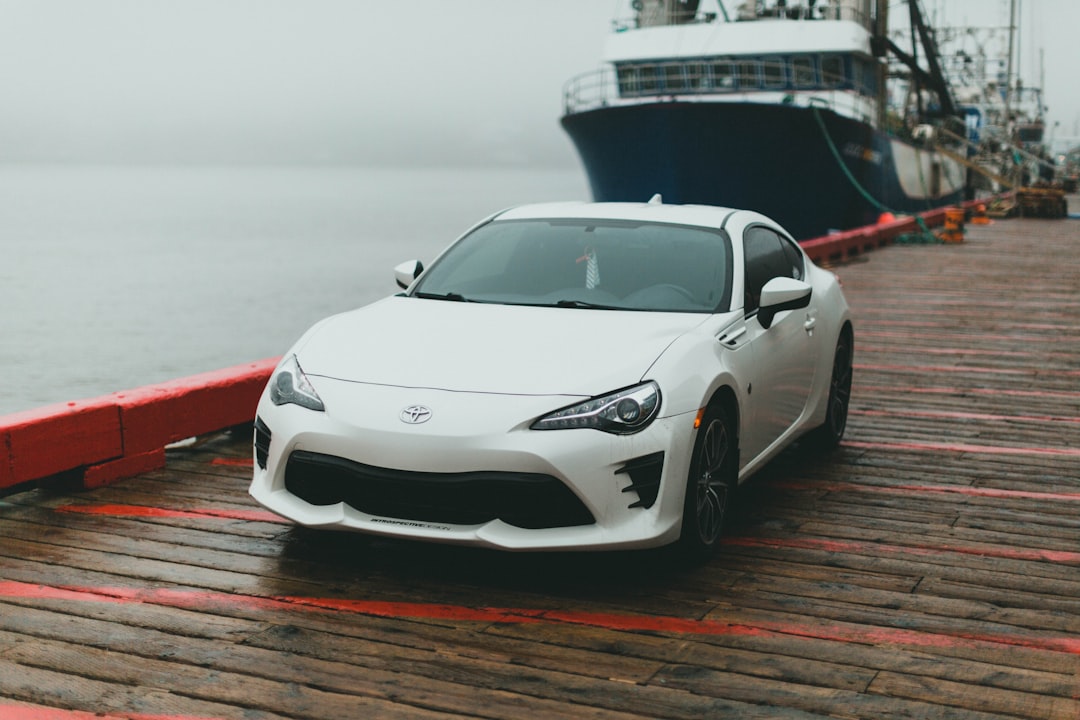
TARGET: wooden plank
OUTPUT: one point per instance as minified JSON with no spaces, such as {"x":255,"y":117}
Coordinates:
{"x":977,"y":696}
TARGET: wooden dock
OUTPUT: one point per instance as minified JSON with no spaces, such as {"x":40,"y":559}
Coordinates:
{"x":930,"y":568}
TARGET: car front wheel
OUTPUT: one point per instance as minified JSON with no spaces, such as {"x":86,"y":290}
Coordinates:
{"x":710,"y":486}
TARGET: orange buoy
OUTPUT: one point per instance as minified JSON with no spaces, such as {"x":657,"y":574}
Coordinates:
{"x":885,"y":217}
{"x":954,"y":225}
{"x":979,"y":216}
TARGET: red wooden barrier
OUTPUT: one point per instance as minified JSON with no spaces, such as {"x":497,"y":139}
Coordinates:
{"x":55,"y":438}
{"x":125,"y":433}
{"x":843,"y":245}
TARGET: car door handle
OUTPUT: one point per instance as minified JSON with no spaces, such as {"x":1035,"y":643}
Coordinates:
{"x":810,"y":324}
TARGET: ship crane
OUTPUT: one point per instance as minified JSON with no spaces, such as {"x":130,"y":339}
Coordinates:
{"x":932,"y":79}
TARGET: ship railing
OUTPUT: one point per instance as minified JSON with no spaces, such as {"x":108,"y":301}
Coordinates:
{"x":660,"y":14}
{"x":850,"y":10}
{"x":590,"y":90}
{"x":697,"y":77}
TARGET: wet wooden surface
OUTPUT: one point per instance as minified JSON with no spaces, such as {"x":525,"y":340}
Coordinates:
{"x":930,"y":568}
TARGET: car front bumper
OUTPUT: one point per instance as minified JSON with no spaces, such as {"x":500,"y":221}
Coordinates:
{"x":474,"y":446}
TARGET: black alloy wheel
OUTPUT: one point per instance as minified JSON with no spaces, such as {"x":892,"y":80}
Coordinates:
{"x":710,"y":485}
{"x":829,"y":435}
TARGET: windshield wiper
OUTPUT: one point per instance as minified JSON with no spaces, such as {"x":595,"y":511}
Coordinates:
{"x":585,"y":305}
{"x":452,"y":296}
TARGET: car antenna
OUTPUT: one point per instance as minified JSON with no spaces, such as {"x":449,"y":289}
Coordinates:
{"x":656,"y":199}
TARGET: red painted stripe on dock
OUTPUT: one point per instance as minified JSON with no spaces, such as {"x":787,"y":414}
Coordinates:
{"x":1041,"y":372}
{"x":953,"y":330}
{"x":957,"y":351}
{"x":844,"y":546}
{"x":142,"y":511}
{"x":847,"y":633}
{"x":944,"y":415}
{"x":1054,"y":394}
{"x":930,"y":490}
{"x":982,"y":337}
{"x":233,"y":462}
{"x":37,"y":712}
{"x":964,"y":448}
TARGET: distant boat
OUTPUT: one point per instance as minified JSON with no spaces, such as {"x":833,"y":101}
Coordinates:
{"x":1005,"y":118}
{"x":780,"y":109}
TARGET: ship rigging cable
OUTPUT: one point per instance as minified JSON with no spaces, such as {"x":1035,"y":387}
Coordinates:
{"x":851,"y":178}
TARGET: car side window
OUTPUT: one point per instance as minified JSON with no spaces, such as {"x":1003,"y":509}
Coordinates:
{"x":768,"y":255}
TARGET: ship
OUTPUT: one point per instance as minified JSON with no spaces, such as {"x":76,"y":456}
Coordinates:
{"x":780,"y":107}
{"x":1005,"y":117}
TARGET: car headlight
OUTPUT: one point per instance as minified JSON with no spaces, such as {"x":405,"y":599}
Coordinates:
{"x":290,"y":385}
{"x":622,"y":412}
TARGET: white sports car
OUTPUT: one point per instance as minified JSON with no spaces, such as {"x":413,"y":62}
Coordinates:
{"x":564,"y":376}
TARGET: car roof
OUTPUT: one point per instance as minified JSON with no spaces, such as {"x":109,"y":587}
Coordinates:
{"x":700,"y":215}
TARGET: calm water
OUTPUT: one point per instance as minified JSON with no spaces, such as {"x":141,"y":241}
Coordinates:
{"x":112,"y":278}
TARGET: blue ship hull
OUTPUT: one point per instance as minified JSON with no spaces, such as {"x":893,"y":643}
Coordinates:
{"x":774,"y":159}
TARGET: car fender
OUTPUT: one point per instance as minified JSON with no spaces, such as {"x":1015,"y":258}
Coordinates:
{"x":694,"y":367}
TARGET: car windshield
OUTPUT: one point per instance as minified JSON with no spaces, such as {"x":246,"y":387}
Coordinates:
{"x":604,"y":264}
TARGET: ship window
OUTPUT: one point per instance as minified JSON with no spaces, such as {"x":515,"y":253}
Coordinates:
{"x":774,"y":72}
{"x":649,"y":82}
{"x":832,"y":70}
{"x":748,"y":75}
{"x":802,"y":72}
{"x":867,"y":77}
{"x":723,"y":76}
{"x":628,"y":80}
{"x":673,"y":78}
{"x":696,"y":78}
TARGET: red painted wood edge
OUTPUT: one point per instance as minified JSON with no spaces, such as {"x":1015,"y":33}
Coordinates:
{"x":48,"y":440}
{"x":12,"y":711}
{"x":842,"y":245}
{"x":124,"y":433}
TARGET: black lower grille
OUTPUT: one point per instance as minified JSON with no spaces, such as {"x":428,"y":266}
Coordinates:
{"x":262,"y":442}
{"x":525,"y":500}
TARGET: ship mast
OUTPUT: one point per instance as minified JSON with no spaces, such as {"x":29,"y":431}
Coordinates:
{"x":1009,"y":70}
{"x":879,"y":44}
{"x":932,"y":79}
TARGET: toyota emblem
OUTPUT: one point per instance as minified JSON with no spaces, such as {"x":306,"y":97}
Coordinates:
{"x":415,"y":414}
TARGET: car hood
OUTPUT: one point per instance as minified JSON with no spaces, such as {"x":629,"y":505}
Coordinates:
{"x":473,"y":347}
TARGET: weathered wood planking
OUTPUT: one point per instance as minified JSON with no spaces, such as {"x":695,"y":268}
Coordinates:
{"x":930,"y":568}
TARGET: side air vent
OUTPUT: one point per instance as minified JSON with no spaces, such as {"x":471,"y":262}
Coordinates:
{"x":644,"y":475}
{"x":262,"y":442}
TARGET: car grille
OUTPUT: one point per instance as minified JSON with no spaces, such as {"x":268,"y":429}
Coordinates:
{"x":525,"y":500}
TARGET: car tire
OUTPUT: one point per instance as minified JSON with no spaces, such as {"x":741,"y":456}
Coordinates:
{"x":710,"y":485}
{"x":831,"y":432}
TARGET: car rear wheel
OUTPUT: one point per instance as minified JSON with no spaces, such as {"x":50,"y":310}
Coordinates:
{"x":829,"y":435}
{"x":710,"y":485}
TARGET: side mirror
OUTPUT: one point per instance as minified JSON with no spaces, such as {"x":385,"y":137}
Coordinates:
{"x":406,"y":272}
{"x":779,"y":294}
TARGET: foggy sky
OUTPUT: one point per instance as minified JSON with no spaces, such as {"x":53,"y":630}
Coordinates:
{"x":347,"y":81}
{"x":282,"y":80}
